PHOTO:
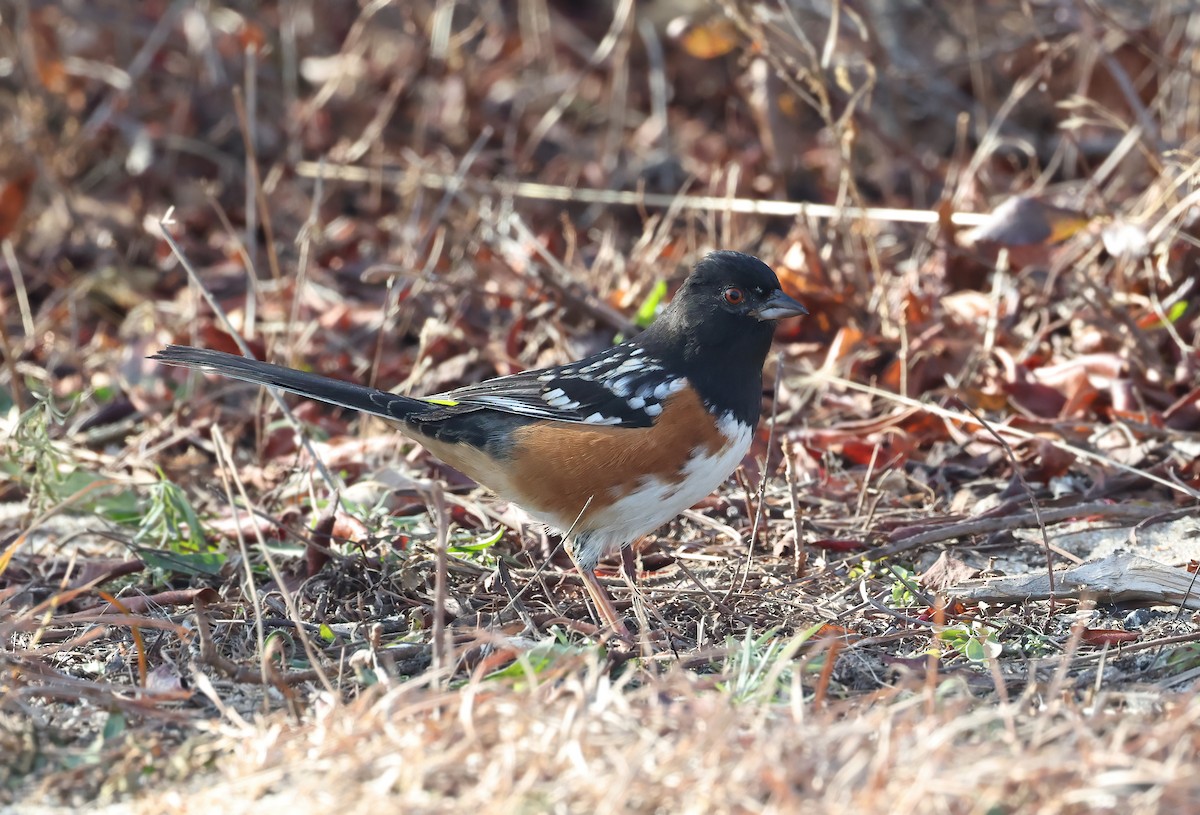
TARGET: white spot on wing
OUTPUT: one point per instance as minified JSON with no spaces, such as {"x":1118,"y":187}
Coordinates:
{"x":600,"y":418}
{"x":665,"y":389}
{"x":620,"y":386}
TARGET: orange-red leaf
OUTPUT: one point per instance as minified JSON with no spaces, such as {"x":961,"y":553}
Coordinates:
{"x":12,"y":201}
{"x":1108,"y":636}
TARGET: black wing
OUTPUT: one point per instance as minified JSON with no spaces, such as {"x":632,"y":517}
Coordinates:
{"x":622,"y":385}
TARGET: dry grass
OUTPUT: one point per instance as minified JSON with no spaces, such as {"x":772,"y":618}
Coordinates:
{"x":577,"y":742}
{"x":425,"y":193}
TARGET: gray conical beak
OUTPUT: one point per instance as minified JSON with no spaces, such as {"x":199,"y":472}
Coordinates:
{"x":777,"y":307}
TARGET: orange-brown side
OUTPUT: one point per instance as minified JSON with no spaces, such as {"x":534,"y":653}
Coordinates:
{"x":557,"y":466}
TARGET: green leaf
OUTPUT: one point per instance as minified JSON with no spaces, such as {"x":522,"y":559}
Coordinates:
{"x":326,"y":633}
{"x":189,"y":563}
{"x":114,"y":725}
{"x":465,"y":548}
{"x":649,"y":308}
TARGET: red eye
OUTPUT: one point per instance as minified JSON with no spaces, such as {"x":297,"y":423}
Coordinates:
{"x":734,"y":296}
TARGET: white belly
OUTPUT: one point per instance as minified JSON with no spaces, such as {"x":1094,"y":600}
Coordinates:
{"x":657,"y":501}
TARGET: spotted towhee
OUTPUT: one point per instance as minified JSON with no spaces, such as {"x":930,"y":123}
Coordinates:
{"x":610,"y":447}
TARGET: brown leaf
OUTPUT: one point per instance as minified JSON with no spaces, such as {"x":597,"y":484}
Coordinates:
{"x":13,"y":198}
{"x":1184,"y":414}
{"x":1108,"y":636}
{"x":316,"y":552}
{"x":946,"y":571}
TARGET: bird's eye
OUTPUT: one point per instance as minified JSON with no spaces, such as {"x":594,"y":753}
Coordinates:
{"x":734,"y":296}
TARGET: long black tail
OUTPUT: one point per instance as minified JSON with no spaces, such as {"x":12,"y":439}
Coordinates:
{"x":322,"y":388}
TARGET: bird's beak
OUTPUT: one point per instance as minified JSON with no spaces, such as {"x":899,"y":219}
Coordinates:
{"x":777,"y":307}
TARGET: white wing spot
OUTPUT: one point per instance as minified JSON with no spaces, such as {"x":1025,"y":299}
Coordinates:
{"x":620,"y":387}
{"x":653,"y":410}
{"x":637,"y":403}
{"x":665,"y":389}
{"x":600,"y":418}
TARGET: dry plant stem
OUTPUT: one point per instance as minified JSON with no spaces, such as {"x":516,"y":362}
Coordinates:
{"x":311,"y":226}
{"x":1054,"y":693}
{"x":141,"y":61}
{"x":1033,"y":502}
{"x":762,"y":482}
{"x":656,"y":79}
{"x":439,"y":214}
{"x":260,"y":196}
{"x":247,"y":114}
{"x":834,"y":647}
{"x":997,"y":523}
{"x":799,"y":552}
{"x":683,"y":203}
{"x":621,"y":15}
{"x":510,"y":589}
{"x":990,"y":140}
{"x":141,"y":603}
{"x":888,"y":610}
{"x":210,"y":654}
{"x":561,"y":280}
{"x":248,"y":587}
{"x":243,"y":251}
{"x":10,"y":362}
{"x":305,"y":441}
{"x":862,"y":493}
{"x":7,"y":555}
{"x":719,"y":604}
{"x":441,"y":518}
{"x":136,"y":632}
{"x":14,"y":268}
{"x":288,"y":599}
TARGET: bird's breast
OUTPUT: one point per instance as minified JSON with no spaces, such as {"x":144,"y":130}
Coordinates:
{"x":627,"y":481}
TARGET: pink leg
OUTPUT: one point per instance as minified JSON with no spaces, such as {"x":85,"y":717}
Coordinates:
{"x":603,"y":603}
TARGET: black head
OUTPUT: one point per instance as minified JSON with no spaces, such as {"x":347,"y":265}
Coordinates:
{"x":719,"y":326}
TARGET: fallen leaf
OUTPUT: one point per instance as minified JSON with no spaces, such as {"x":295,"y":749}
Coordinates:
{"x":946,"y":571}
{"x":13,"y":198}
{"x":1108,"y":636}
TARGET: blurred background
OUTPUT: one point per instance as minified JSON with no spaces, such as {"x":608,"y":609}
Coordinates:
{"x":324,"y":162}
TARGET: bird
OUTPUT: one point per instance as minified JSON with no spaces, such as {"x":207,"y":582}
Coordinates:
{"x":605,"y":449}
